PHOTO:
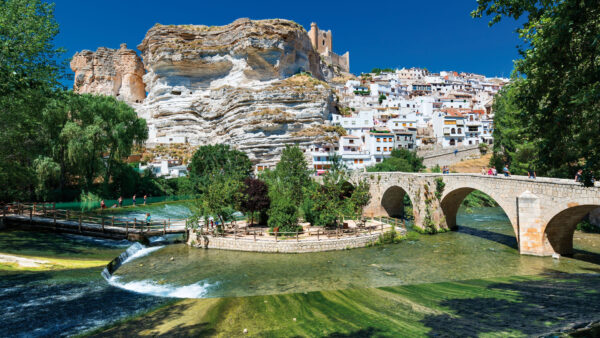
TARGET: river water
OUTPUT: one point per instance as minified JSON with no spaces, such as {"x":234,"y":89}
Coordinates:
{"x":484,"y":247}
{"x":55,"y":303}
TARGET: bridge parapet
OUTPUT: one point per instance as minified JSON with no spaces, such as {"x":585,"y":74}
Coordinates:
{"x":543,"y":211}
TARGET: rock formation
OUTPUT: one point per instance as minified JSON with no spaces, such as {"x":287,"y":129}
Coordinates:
{"x":237,"y":84}
{"x":110,"y":72}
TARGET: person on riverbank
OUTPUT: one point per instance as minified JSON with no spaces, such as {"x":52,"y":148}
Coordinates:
{"x":578,"y":177}
{"x":506,"y":171}
{"x":133,"y":199}
{"x":148,"y":219}
{"x":145,"y":197}
{"x":120,"y":200}
{"x":102,"y":205}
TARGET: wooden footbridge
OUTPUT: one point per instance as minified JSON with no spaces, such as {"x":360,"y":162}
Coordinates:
{"x":45,"y":216}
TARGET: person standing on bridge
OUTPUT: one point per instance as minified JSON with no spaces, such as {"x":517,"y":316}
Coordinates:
{"x":490,"y":172}
{"x":148,"y":219}
{"x":531,"y":172}
{"x":506,"y":171}
{"x":120,"y":200}
{"x":494,"y":171}
{"x":145,"y":197}
{"x":578,"y":175}
{"x":133,"y":199}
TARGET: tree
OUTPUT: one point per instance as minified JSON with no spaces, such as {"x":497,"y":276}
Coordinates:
{"x":400,"y":160}
{"x":382,"y":97}
{"x":557,"y":92}
{"x":29,"y":75}
{"x":283,"y":213}
{"x":219,"y":199}
{"x":88,"y":135}
{"x":218,"y":159}
{"x":255,"y":197}
{"x":360,"y":198}
{"x":292,"y":171}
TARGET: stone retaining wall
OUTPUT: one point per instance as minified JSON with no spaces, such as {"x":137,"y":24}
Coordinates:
{"x":446,"y":156}
{"x":283,"y":246}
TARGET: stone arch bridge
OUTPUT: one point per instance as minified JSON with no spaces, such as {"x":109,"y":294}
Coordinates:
{"x":543,"y":212}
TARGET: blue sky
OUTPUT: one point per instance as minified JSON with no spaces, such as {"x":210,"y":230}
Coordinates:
{"x":436,"y":34}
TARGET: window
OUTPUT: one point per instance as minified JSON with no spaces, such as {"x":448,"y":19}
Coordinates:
{"x":452,"y":142}
{"x":459,"y":130}
{"x":404,"y":124}
{"x":378,"y":148}
{"x":453,"y":131}
{"x":396,"y":124}
{"x":391,"y":139}
{"x":360,"y":161}
{"x":470,"y":142}
{"x":355,"y":161}
{"x":318,"y":158}
{"x":351,"y":141}
{"x":378,"y":160}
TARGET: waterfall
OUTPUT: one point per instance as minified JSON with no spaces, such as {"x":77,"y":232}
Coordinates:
{"x":134,"y":251}
{"x":149,"y":287}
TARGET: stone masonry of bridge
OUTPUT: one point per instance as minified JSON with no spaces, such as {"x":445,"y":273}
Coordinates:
{"x":543,"y":212}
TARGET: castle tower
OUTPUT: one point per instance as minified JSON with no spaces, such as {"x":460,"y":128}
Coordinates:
{"x":313,"y":34}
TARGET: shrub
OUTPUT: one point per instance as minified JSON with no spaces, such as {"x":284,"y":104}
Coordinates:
{"x":586,"y":226}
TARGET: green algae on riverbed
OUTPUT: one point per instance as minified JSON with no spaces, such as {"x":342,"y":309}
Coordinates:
{"x":514,"y":306}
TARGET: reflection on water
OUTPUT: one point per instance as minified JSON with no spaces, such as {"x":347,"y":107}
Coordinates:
{"x":485,"y":246}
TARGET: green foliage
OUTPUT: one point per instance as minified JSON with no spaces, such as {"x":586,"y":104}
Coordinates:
{"x":29,"y":76}
{"x":379,"y":70}
{"x":389,"y":237}
{"x":400,"y":160}
{"x":586,"y":226}
{"x":382,"y":98}
{"x":283,"y":213}
{"x":360,"y":198}
{"x":48,"y":173}
{"x":439,"y":187}
{"x":89,"y":201}
{"x":219,"y":199}
{"x":217,"y":160}
{"x":436,"y":169}
{"x":478,"y":199}
{"x":551,"y":109}
{"x":291,"y":171}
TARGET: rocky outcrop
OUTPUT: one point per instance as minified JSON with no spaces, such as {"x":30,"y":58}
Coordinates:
{"x":116,"y":72}
{"x":237,"y":84}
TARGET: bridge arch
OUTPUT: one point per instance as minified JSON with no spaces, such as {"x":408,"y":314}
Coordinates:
{"x":392,"y":201}
{"x":452,"y":200}
{"x":558,"y":233}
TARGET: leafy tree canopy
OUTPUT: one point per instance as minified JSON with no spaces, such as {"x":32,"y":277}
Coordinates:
{"x":400,"y":160}
{"x":218,"y":159}
{"x":554,"y":101}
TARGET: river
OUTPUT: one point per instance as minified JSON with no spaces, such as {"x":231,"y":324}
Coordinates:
{"x":42,"y":303}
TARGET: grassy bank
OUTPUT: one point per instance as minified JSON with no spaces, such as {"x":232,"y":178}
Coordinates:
{"x":516,"y":306}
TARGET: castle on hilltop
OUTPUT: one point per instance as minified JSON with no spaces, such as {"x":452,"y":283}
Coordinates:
{"x":321,"y":42}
